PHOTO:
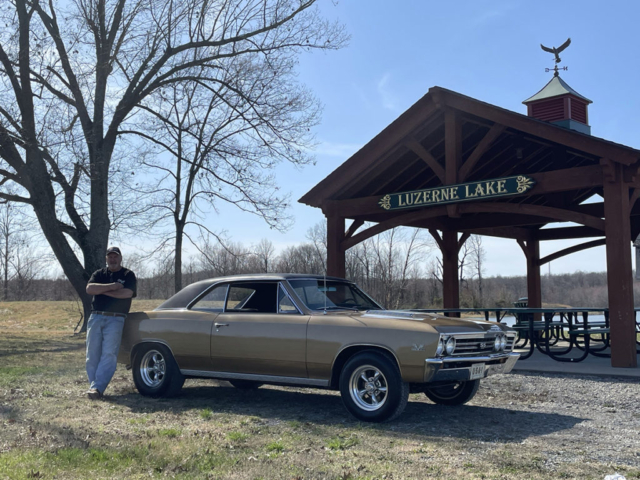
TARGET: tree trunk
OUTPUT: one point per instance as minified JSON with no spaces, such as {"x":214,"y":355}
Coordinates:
{"x":178,"y":259}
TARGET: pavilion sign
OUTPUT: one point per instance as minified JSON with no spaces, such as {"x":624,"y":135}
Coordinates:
{"x":464,"y":192}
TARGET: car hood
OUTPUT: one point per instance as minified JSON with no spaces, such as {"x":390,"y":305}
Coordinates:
{"x":440,"y":323}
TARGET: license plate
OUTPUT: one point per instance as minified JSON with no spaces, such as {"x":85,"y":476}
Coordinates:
{"x":477,"y":371}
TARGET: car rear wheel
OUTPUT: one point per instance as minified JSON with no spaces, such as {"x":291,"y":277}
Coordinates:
{"x":372,"y":389}
{"x":457,"y":393}
{"x":155,"y":372}
{"x":245,"y":384}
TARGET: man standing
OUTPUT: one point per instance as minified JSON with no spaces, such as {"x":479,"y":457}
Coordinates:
{"x":112,"y":288}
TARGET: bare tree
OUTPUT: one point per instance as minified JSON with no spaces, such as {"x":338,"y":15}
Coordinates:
{"x":20,"y":261}
{"x":477,"y":256}
{"x":317,"y":235}
{"x":265,"y":254}
{"x":75,"y":75}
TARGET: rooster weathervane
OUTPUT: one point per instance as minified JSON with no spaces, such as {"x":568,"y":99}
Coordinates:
{"x":556,"y":52}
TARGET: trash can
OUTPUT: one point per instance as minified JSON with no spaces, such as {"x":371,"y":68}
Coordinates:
{"x":522,"y":302}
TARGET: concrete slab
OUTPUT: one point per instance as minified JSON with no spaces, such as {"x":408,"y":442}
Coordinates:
{"x":539,"y":362}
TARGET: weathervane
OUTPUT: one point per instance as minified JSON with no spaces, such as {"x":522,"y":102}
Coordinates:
{"x":556,"y":51}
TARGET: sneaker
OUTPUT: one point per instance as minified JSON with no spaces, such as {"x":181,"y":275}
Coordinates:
{"x":94,"y":394}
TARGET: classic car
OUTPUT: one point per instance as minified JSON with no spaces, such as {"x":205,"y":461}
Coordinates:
{"x":313,"y":331}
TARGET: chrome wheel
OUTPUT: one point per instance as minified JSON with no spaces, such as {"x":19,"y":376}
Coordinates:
{"x":368,"y":388}
{"x":153,"y":368}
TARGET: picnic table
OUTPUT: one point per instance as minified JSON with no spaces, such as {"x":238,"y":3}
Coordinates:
{"x":555,"y":332}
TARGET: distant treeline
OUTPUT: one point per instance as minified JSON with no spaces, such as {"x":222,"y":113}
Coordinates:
{"x":396,"y":283}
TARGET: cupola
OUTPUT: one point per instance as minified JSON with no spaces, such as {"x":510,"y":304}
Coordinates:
{"x":561,"y":105}
{"x":557,"y":102}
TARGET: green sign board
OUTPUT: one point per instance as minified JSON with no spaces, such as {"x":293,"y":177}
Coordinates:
{"x":464,"y":192}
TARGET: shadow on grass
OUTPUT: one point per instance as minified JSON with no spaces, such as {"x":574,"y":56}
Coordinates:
{"x":12,"y":346}
{"x":325,"y":408}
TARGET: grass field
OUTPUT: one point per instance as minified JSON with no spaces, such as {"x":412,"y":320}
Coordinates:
{"x":213,"y":431}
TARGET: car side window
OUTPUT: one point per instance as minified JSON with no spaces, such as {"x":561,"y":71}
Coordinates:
{"x":285,"y":305}
{"x":248,"y":297}
{"x":213,"y":301}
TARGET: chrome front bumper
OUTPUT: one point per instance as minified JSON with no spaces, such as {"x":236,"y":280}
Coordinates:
{"x":459,"y":368}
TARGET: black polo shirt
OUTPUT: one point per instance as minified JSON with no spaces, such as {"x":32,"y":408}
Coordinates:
{"x":106,"y":303}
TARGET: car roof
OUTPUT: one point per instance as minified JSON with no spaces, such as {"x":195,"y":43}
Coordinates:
{"x":270,"y":276}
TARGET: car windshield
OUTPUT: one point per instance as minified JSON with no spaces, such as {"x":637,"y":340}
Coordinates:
{"x":332,"y":295}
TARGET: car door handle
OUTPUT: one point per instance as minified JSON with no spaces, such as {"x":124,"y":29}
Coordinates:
{"x":218,"y":325}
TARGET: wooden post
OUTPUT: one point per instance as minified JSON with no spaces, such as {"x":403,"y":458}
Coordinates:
{"x":335,"y":250}
{"x":534,"y":287}
{"x":619,"y":276}
{"x":450,"y":281}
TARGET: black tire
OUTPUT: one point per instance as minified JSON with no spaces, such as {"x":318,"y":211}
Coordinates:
{"x":155,"y":372}
{"x":372,"y":403}
{"x":457,"y":393}
{"x":245,"y":384}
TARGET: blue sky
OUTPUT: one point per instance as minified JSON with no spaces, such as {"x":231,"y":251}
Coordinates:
{"x":489,"y":50}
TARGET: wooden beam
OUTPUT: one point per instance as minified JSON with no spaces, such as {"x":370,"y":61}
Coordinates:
{"x":534,"y":286}
{"x":556,"y":181}
{"x":463,"y":238}
{"x":450,"y":279}
{"x":539,"y":210}
{"x":494,"y":132}
{"x":565,"y":233}
{"x":523,"y":246}
{"x":452,"y":153}
{"x":426,"y":157}
{"x":619,"y":275}
{"x":566,"y":180}
{"x":502,"y":232}
{"x":574,"y":249}
{"x":357,"y":223}
{"x":399,"y":176}
{"x":436,"y":236}
{"x":393,"y":222}
{"x":634,"y":197}
{"x":335,"y":249}
{"x":480,"y":221}
{"x":567,"y":138}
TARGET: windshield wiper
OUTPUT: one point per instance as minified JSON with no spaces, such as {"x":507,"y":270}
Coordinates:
{"x":335,"y":307}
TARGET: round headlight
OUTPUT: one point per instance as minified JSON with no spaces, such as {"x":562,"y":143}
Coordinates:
{"x":497,"y":342}
{"x":450,"y":346}
{"x":503,"y":342}
{"x":440,"y":348}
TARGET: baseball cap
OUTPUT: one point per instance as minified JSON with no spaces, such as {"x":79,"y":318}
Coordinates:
{"x":114,"y":250}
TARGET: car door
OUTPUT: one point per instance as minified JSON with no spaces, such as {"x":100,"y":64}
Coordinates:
{"x":260,"y":332}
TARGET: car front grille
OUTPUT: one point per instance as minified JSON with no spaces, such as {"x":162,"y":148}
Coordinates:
{"x":480,"y":345}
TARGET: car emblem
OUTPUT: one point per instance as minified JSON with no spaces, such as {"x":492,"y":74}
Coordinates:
{"x":495,"y":328}
{"x":417,"y":348}
{"x":483,"y":345}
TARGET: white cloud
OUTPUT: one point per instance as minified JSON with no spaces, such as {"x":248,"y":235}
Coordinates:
{"x":386,"y":93}
{"x":340,"y":150}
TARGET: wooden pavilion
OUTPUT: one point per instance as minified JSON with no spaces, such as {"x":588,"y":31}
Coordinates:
{"x":458,"y":166}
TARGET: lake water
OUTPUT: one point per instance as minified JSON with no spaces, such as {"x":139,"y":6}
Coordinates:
{"x":510,"y":321}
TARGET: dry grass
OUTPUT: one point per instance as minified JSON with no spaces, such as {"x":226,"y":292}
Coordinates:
{"x":48,"y":429}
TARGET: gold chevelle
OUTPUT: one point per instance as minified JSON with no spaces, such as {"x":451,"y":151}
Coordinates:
{"x":307,"y":330}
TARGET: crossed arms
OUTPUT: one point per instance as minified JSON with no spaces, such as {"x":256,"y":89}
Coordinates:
{"x":115,"y":290}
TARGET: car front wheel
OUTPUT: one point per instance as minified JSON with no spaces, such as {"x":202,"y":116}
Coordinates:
{"x":155,"y":372}
{"x":372,"y":389}
{"x":457,"y":393}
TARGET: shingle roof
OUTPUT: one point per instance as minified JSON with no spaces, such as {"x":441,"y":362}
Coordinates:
{"x":555,"y":88}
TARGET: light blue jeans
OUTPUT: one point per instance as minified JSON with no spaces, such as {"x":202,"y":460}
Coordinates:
{"x":103,"y":342}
